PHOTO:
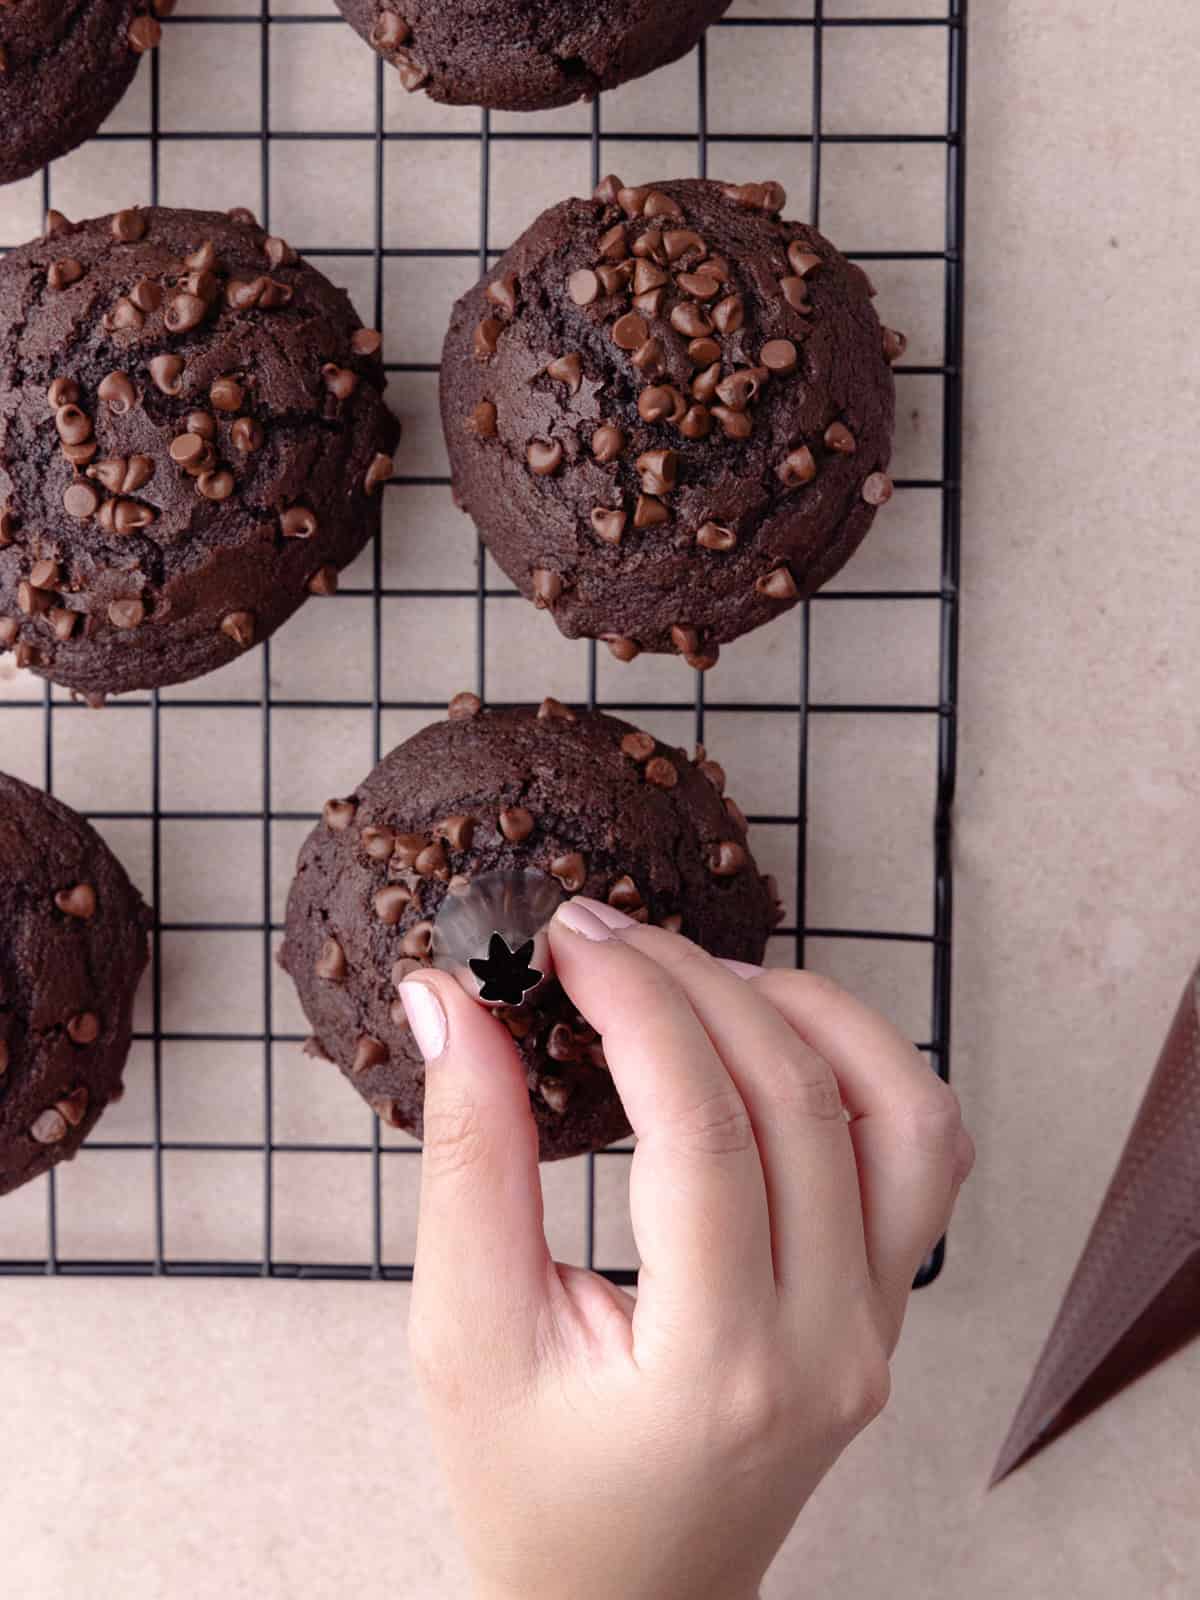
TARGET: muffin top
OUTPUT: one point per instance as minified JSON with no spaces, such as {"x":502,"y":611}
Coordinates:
{"x":73,"y":949}
{"x":192,"y":439}
{"x":525,"y":55}
{"x":64,"y":64}
{"x":670,"y":412}
{"x":580,"y":797}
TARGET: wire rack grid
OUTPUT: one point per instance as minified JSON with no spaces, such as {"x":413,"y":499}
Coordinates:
{"x":162,"y":1043}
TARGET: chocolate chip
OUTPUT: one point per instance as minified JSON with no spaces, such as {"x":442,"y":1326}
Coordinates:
{"x":204,"y":286}
{"x":607,"y":442}
{"x":894,"y":344}
{"x":560,"y":1046}
{"x":74,"y":426}
{"x":726,"y":859}
{"x":339,"y":814}
{"x":659,"y":471}
{"x":482,"y":420}
{"x":690,"y":320}
{"x":570,"y":870}
{"x":406,"y":848}
{"x":81,"y":501}
{"x":648,"y":358}
{"x":795,"y":292}
{"x":378,"y":473}
{"x":567,"y":369}
{"x":797,"y":467}
{"x":166,"y":373}
{"x":678,"y":241}
{"x":227,"y":394}
{"x":391,"y":902}
{"x":458,"y":830}
{"x":84,"y":1029}
{"x":839,"y":438}
{"x":607,"y":190}
{"x":118,"y":393}
{"x":188,"y":450}
{"x":696,"y":423}
{"x":404,"y":968}
{"x":239,"y":626}
{"x":715,"y":773}
{"x":409,"y":70}
{"x":554,"y":1091}
{"x":700,"y":285}
{"x":650,"y":303}
{"x":717,"y":267}
{"x":49,"y":1128}
{"x":62,"y":392}
{"x":324,"y":581}
{"x":146,"y":295}
{"x":503,"y":292}
{"x":685,"y":640}
{"x":126,"y":613}
{"x":79,"y":454}
{"x":185,"y":312}
{"x":215,"y":485}
{"x":877,"y":489}
{"x":110,"y":473}
{"x":704,"y":384}
{"x":583,"y":286}
{"x":516,"y":824}
{"x":638,"y":746}
{"x":486,"y":335}
{"x":649,"y":246}
{"x":613,"y":280}
{"x":246,"y":435}
{"x":779,"y":355}
{"x":368,"y":1054}
{"x":431,"y":861}
{"x":366,"y":341}
{"x":551,"y":709}
{"x":739,"y":388}
{"x":298,"y":522}
{"x":129,"y":516}
{"x":801,"y":261}
{"x":544,"y":456}
{"x":63,"y":622}
{"x":648,"y":276}
{"x":734,"y":424}
{"x":729,"y":314}
{"x":378,"y":843}
{"x":712,"y":536}
{"x":631,"y":201}
{"x":777,"y":585}
{"x":630,"y":331}
{"x":61,"y":274}
{"x":649,"y":512}
{"x":464,"y":705}
{"x":8,"y":632}
{"x":418,"y":941}
{"x":656,"y":403}
{"x":128,"y":226}
{"x":622,"y":649}
{"x":78,"y":901}
{"x":74,"y":1106}
{"x":657,"y":204}
{"x":331,"y":963}
{"x":200,"y":422}
{"x":31,"y":602}
{"x":672,"y":922}
{"x":624,"y":894}
{"x":613,"y":244}
{"x":56,"y":225}
{"x":661,"y":772}
{"x":45,"y":574}
{"x":547,"y":586}
{"x":123,"y":317}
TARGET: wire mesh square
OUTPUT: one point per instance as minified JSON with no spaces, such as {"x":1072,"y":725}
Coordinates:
{"x":234,"y":1151}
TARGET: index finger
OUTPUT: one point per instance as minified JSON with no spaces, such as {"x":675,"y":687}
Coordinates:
{"x":697,"y":1194}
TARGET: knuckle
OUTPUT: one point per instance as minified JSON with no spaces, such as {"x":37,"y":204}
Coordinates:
{"x":716,"y":1126}
{"x":934,"y":1121}
{"x":454,"y":1137}
{"x":865,"y":1392}
{"x":810,"y":1092}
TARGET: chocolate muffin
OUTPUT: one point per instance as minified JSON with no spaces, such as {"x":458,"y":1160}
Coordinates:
{"x":193,"y":439}
{"x":584,"y":800}
{"x":670,"y":413}
{"x":525,"y":55}
{"x":64,"y":64}
{"x":73,"y":949}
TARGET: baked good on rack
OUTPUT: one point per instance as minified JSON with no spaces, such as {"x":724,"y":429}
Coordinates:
{"x":64,"y":64}
{"x":670,"y":413}
{"x":594,"y":806}
{"x":525,"y":55}
{"x":72,"y":951}
{"x":193,"y":440}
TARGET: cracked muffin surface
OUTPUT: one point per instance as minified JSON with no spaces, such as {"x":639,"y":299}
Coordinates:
{"x":589,"y":802}
{"x":73,"y":948}
{"x":193,"y":440}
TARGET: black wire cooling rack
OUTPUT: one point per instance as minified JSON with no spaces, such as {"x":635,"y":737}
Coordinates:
{"x":809,"y":32}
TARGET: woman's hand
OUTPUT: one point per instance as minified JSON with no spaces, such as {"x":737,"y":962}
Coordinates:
{"x":602,"y":1446}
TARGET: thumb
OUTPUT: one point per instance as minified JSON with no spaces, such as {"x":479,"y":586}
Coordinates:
{"x":482,"y":1265}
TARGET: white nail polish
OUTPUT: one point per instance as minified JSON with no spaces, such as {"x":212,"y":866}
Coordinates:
{"x":425,"y":1017}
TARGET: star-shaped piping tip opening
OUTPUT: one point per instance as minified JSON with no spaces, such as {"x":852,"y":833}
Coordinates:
{"x":506,"y":975}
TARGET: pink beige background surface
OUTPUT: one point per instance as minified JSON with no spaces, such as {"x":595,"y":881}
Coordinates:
{"x":240,"y":1438}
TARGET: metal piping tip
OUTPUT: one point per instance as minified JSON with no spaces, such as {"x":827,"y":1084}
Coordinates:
{"x":491,"y":935}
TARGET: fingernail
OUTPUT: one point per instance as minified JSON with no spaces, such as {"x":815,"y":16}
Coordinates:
{"x":608,"y":915}
{"x":576,"y":916}
{"x":425,"y":1017}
